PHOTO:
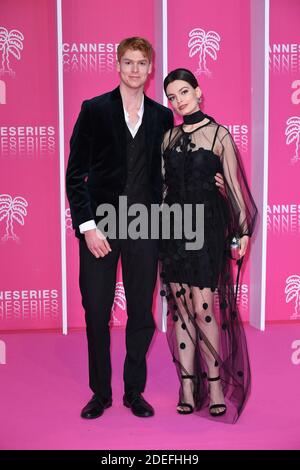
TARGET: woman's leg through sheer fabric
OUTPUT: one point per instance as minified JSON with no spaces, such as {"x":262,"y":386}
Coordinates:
{"x":195,"y":323}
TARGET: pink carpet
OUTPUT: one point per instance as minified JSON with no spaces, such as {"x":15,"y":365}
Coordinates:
{"x":44,"y":386}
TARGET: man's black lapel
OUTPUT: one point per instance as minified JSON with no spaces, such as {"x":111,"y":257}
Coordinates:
{"x":151,"y":129}
{"x":118,"y":124}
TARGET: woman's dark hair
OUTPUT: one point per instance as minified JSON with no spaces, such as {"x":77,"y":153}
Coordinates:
{"x":181,"y":74}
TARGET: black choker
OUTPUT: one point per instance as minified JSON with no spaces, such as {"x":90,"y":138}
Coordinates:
{"x":193,"y":118}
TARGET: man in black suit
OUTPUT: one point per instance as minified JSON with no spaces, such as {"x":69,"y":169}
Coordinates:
{"x":116,"y":151}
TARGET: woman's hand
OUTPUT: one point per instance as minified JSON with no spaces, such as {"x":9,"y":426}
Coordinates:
{"x":244,"y":240}
{"x":220,"y":183}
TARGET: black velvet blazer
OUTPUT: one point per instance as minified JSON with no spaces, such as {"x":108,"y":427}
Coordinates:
{"x":96,"y":171}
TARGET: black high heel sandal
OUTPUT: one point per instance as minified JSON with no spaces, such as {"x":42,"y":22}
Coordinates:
{"x":216,"y":405}
{"x":186,"y":405}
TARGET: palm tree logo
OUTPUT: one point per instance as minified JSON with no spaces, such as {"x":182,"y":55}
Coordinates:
{"x":10,"y":43}
{"x":292,"y":133}
{"x":12,"y":209}
{"x":292,"y":291}
{"x":120,"y":301}
{"x":204,"y":43}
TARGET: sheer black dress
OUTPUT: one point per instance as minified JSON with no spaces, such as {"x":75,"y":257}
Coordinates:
{"x":204,"y":328}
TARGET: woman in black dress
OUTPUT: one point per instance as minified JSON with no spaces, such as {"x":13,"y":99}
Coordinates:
{"x":205,"y":332}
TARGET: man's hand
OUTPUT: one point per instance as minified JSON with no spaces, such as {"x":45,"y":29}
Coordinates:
{"x":97,"y":243}
{"x":220,"y":183}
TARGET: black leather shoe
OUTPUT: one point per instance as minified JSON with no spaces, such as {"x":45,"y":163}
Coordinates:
{"x":138,"y":405}
{"x":95,"y":407}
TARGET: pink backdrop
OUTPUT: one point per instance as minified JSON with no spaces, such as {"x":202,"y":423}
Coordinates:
{"x":88,"y":25}
{"x":222,"y":67}
{"x":30,"y":283}
{"x":30,"y":286}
